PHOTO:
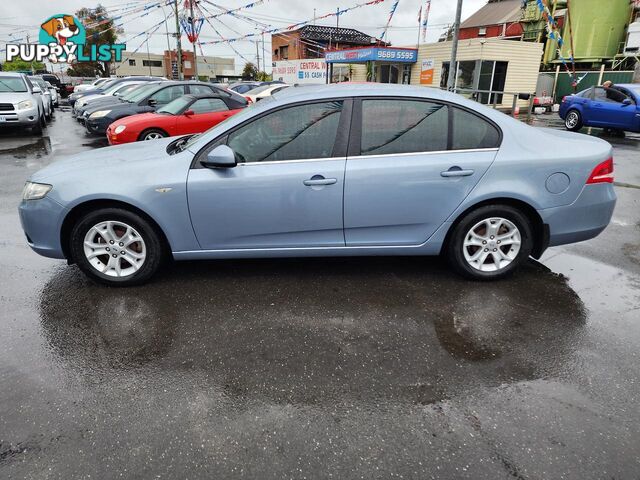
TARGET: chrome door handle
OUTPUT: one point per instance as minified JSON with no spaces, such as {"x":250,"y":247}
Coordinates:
{"x":320,"y":181}
{"x":457,"y":172}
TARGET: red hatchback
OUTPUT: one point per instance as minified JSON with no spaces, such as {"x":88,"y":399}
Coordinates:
{"x":185,"y":115}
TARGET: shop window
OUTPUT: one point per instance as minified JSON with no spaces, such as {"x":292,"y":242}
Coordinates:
{"x":152,"y":63}
{"x":341,"y":73}
{"x":405,"y":126}
{"x":475,"y":75}
{"x":388,"y":73}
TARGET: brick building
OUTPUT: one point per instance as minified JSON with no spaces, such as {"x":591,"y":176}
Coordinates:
{"x":498,"y":18}
{"x":311,"y":41}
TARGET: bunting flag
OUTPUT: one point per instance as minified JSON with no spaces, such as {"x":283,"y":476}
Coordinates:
{"x":391,"y":13}
{"x":231,"y":11}
{"x":191,"y":26}
{"x":295,"y":25}
{"x":425,"y":20}
{"x":553,"y":33}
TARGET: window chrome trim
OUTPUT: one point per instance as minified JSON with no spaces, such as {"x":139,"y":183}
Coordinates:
{"x":366,"y":157}
{"x":413,"y":154}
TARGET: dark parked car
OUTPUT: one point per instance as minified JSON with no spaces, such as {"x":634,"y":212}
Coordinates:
{"x":148,"y":99}
{"x":595,"y":108}
{"x":244,"y":87}
{"x":92,"y":91}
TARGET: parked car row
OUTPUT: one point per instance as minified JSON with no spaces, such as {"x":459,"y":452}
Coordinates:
{"x":26,"y":101}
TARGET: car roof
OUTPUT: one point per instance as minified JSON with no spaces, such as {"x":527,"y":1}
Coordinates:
{"x":12,"y":74}
{"x":299,"y":93}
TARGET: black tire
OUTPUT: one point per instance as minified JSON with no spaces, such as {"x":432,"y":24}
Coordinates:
{"x":37,"y":128}
{"x":455,"y":248}
{"x":152,"y":131}
{"x":153,"y":244}
{"x":573,"y":121}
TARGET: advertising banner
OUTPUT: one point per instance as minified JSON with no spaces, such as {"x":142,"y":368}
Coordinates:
{"x":301,"y":72}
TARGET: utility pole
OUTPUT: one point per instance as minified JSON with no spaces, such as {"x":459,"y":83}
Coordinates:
{"x":148,"y":56}
{"x":193,"y":32}
{"x":264,"y":57}
{"x":453,"y":66}
{"x":178,"y":42}
{"x":258,"y":56}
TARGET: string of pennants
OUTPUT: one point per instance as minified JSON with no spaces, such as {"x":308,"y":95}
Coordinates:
{"x":191,"y":26}
{"x":391,"y":13}
{"x":337,"y":13}
{"x":231,"y":11}
{"x":149,"y":32}
{"x":553,"y":33}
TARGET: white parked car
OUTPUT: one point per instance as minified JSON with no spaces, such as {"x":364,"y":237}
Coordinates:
{"x":47,"y":101}
{"x":87,"y":86}
{"x":55,"y":96}
{"x":264,"y":91}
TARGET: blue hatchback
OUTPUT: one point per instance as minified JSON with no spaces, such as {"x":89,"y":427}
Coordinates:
{"x":594,"y":108}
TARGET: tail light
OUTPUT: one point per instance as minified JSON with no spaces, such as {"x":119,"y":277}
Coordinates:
{"x":603,"y":173}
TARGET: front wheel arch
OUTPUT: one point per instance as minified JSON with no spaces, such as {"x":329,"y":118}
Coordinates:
{"x":81,"y":209}
{"x":152,"y":129}
{"x":540,"y":230}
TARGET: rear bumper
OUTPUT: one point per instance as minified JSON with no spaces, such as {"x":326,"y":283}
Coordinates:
{"x":41,"y":220}
{"x":583,"y":220}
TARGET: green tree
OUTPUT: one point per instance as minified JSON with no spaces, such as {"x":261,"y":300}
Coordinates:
{"x":17,"y":65}
{"x":263,"y":77}
{"x":105,"y":33}
{"x":250,"y":72}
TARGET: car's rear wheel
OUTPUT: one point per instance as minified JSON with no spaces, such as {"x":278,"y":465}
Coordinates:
{"x":490,"y":243}
{"x":152,"y":134}
{"x":116,"y":247}
{"x":573,"y":121}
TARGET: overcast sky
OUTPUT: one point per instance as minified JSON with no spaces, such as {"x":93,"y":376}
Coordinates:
{"x":19,"y":17}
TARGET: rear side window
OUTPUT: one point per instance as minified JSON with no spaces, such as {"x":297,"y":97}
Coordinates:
{"x":296,"y":133}
{"x":403,"y":126}
{"x":201,"y":89}
{"x":472,"y":132}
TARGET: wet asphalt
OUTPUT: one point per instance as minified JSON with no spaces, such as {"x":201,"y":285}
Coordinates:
{"x":323,"y":368}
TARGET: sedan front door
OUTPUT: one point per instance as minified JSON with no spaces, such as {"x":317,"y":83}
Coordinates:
{"x":207,"y":112}
{"x":287,"y":189}
{"x":408,"y":171}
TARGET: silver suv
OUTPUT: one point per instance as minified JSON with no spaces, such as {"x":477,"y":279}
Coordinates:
{"x":20,"y":102}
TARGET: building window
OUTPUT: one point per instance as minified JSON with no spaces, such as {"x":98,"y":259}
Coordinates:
{"x":132,"y":62}
{"x":482,"y":31}
{"x":152,"y":63}
{"x":478,"y":78}
{"x":284,"y":52}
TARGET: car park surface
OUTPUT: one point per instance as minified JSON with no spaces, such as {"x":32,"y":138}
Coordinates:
{"x":317,"y":368}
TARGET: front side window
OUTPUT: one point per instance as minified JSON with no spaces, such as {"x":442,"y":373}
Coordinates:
{"x":294,"y":133}
{"x":208,"y":105}
{"x":472,"y":132}
{"x":403,"y":126}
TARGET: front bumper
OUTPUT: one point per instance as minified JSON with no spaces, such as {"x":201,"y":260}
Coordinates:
{"x":41,"y":221}
{"x":97,"y":126}
{"x":584,"y":219}
{"x":21,"y":118}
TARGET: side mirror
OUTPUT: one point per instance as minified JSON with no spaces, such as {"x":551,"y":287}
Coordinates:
{"x":626,"y":102}
{"x":220,"y":157}
{"x":152,"y":103}
{"x":188,"y":113}
{"x":36,"y":89}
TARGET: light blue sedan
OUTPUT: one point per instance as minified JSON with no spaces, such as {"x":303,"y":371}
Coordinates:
{"x":338,"y":170}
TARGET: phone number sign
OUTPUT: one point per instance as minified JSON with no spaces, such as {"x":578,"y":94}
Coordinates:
{"x":397,"y":55}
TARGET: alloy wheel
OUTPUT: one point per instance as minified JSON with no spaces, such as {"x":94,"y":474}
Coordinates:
{"x":153,"y":136}
{"x":115,"y":249}
{"x":492,"y":244}
{"x":572,"y":120}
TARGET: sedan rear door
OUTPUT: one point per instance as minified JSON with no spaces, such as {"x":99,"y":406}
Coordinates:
{"x":411,"y":163}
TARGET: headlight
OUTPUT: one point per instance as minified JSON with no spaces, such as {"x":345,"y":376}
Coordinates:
{"x":99,"y":113}
{"x":119,"y":129}
{"x":25,"y":105}
{"x":35,"y":191}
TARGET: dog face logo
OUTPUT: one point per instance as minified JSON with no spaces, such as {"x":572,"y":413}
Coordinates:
{"x":62,"y":30}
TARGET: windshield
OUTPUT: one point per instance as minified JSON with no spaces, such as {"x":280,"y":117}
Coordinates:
{"x":112,"y":88}
{"x":105,"y":85}
{"x":139,"y":93}
{"x":258,"y":90}
{"x":126,"y":89}
{"x":39,"y":82}
{"x":175,"y":107}
{"x":12,"y":84}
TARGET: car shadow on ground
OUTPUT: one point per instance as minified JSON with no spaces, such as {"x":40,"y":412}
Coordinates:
{"x":310,"y":330}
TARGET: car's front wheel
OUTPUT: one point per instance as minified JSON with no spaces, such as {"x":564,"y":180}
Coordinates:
{"x":152,"y":134}
{"x":490,"y":243}
{"x":573,"y":121}
{"x":116,"y":247}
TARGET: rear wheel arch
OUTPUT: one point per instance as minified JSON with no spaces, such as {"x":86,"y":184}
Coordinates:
{"x":540,"y":231}
{"x":81,"y":209}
